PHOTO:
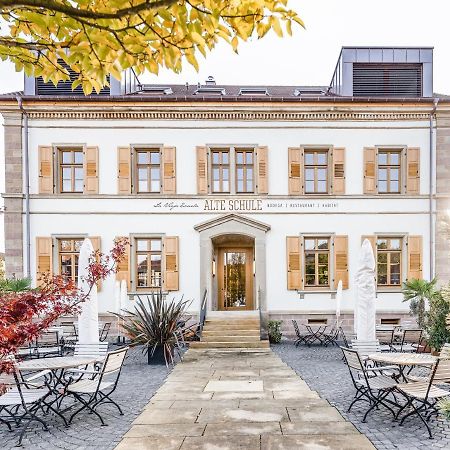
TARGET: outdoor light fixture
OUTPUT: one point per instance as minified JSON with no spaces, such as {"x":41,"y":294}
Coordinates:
{"x":254,"y":267}
{"x":213,"y":267}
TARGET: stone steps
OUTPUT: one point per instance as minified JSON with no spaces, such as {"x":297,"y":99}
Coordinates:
{"x":227,"y":332}
{"x":230,"y":338}
{"x":228,"y":344}
{"x":230,"y":326}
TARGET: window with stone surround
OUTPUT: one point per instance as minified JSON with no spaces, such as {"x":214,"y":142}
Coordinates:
{"x":316,"y":171}
{"x":220,"y":171}
{"x":389,"y":171}
{"x":389,"y":261}
{"x":245,"y":171}
{"x":71,"y":170}
{"x":68,"y":253}
{"x":148,"y":263}
{"x":317,"y":262}
{"x":148,"y":170}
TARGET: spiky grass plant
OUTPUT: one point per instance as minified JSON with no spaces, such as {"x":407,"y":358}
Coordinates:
{"x":154,"y":323}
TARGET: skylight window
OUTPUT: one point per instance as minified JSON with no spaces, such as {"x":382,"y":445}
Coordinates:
{"x":156,"y":90}
{"x":302,"y":92}
{"x":253,"y":91}
{"x":210,"y":90}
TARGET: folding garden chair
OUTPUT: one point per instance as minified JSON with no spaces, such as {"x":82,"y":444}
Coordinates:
{"x":301,"y":338}
{"x":385,"y":337}
{"x":92,"y":393}
{"x":426,"y":394}
{"x":410,"y":341}
{"x":371,"y":384}
{"x":21,"y":402}
{"x":70,"y":335}
{"x":105,"y":331}
{"x":332,"y":336}
{"x":48,"y":344}
{"x":98,"y":351}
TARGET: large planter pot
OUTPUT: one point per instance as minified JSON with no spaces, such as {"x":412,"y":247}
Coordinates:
{"x":157,"y":359}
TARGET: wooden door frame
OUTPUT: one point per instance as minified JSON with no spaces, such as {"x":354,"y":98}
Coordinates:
{"x":249,"y":284}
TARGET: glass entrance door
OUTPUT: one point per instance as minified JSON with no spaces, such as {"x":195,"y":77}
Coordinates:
{"x":236,"y":278}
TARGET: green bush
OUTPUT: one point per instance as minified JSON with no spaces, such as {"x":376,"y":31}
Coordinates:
{"x":274,"y":331}
{"x":436,"y":327}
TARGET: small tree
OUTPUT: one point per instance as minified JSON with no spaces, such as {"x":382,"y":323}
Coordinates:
{"x":25,"y":315}
{"x":418,"y":292}
{"x":438,"y":333}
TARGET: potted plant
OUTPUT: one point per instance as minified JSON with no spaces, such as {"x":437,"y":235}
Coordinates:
{"x":418,"y":293}
{"x":274,"y":331}
{"x":153,"y":324}
{"x":436,"y":327}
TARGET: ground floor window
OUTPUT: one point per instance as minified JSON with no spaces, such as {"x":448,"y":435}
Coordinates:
{"x":317,"y":261}
{"x":389,"y":261}
{"x":148,"y":262}
{"x":68,"y":253}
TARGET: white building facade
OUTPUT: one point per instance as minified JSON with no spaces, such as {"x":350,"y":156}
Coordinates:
{"x":258,"y":197}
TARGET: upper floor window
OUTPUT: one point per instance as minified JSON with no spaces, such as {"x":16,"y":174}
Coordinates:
{"x":389,"y":170}
{"x":148,"y":262}
{"x":71,"y":171}
{"x":68,"y":253}
{"x":317,"y":261}
{"x":316,"y":171}
{"x":389,"y":261}
{"x":220,"y":167}
{"x":148,"y":170}
{"x":244,"y":171}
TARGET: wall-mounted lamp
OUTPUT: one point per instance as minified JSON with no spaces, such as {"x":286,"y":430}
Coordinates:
{"x":213,"y":267}
{"x":254,"y":267}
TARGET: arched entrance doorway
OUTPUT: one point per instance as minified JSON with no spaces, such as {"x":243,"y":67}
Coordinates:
{"x":237,"y":244}
{"x":234,"y":261}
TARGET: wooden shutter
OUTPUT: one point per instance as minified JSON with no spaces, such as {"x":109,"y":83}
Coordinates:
{"x":46,"y":185}
{"x":44,"y":252}
{"x":202,"y":170}
{"x":170,"y":261}
{"x":123,"y":268}
{"x":295,"y":161}
{"x":124,"y":170}
{"x":169,"y":185}
{"x":414,"y":257}
{"x":91,"y":170}
{"x":262,"y":183}
{"x":341,"y":261}
{"x":373,"y":242}
{"x":96,"y":243}
{"x":413,"y":171}
{"x":294,"y":263}
{"x":370,"y":170}
{"x":338,"y":170}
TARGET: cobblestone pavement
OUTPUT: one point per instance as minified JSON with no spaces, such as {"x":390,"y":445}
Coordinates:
{"x":137,"y":385}
{"x":324,"y":371}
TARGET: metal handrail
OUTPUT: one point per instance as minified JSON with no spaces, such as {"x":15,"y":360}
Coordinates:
{"x":202,"y":319}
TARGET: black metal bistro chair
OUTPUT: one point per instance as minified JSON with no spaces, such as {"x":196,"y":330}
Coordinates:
{"x":105,"y":331}
{"x":301,"y":338}
{"x":371,"y":384}
{"x":97,"y":391}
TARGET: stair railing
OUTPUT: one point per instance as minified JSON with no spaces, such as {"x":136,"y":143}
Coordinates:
{"x":202,"y":319}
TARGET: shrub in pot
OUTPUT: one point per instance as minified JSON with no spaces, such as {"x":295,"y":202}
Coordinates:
{"x":274,"y":331}
{"x":153,"y":324}
{"x":436,"y":328}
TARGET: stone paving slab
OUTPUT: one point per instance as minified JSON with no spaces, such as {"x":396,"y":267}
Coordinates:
{"x":248,"y":401}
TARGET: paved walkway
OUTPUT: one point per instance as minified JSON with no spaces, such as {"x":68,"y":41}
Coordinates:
{"x":236,"y":400}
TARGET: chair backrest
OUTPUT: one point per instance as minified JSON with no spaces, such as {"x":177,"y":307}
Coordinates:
{"x":114,"y":361}
{"x":297,"y":330}
{"x":69,"y":329}
{"x":48,"y":338}
{"x":366,"y":347}
{"x":385,"y":336}
{"x":352,"y":359}
{"x":99,"y":349}
{"x":441,"y":373}
{"x":105,"y":331}
{"x":412,"y":336}
{"x":445,"y":351}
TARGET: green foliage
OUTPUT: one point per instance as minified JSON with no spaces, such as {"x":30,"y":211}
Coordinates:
{"x":15,"y":285}
{"x":418,"y":292}
{"x":444,"y":407}
{"x":154,"y":323}
{"x":97,"y":37}
{"x":274,"y":331}
{"x":436,"y":328}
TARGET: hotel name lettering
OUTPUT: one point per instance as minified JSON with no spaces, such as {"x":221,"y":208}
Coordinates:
{"x":244,"y":205}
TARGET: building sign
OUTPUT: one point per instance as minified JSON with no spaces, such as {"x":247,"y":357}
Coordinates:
{"x":241,"y":205}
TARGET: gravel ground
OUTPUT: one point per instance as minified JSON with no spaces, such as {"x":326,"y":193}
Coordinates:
{"x":137,"y":385}
{"x":324,"y":371}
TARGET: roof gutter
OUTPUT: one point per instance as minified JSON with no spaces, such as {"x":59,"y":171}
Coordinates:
{"x":27,"y":184}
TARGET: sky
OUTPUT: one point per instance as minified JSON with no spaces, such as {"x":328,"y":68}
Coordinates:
{"x":309,"y":57}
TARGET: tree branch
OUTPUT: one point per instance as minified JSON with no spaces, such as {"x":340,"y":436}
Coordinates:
{"x":52,"y":5}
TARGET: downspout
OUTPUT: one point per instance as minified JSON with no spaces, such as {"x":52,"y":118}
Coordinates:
{"x":27,"y":184}
{"x":431,"y":187}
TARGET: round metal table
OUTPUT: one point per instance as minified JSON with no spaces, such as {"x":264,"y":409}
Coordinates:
{"x":58,"y":363}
